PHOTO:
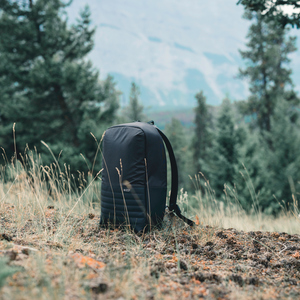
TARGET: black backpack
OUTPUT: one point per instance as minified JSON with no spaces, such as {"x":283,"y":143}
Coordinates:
{"x":134,"y":177}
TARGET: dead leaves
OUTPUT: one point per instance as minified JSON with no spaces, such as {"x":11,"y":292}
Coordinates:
{"x":83,"y":261}
{"x":296,"y":255}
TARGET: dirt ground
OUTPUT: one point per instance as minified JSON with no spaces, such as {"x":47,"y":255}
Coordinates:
{"x":177,"y":262}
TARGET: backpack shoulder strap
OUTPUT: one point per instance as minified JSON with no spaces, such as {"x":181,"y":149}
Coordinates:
{"x":174,"y":180}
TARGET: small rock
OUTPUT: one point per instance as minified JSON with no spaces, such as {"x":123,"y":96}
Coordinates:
{"x":154,"y":273}
{"x":99,"y":288}
{"x":25,"y":251}
{"x":183,"y":265}
{"x":194,"y":246}
{"x":209,"y":243}
{"x":6,"y":237}
{"x":91,"y":216}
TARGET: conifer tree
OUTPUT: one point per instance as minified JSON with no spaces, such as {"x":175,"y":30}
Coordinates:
{"x":251,"y":179}
{"x":176,"y":135}
{"x":267,"y":69}
{"x":221,"y":166}
{"x":270,"y":158}
{"x":202,"y":137}
{"x":282,"y":161}
{"x":48,"y":88}
{"x":134,"y":111}
{"x":272,"y":10}
{"x":269,"y":176}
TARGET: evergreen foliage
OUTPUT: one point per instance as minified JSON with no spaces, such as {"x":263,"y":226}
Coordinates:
{"x":202,"y":136}
{"x":134,"y":111}
{"x":221,"y":166}
{"x":267,"y":69}
{"x":49,"y":89}
{"x":176,"y":134}
{"x":282,"y":161}
{"x":270,"y":176}
{"x":268,"y":156}
{"x":250,"y":182}
{"x":273,"y":10}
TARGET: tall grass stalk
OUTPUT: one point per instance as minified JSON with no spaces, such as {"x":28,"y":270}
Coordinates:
{"x":228,"y":212}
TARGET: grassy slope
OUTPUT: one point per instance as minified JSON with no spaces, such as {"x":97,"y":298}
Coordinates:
{"x":61,"y":253}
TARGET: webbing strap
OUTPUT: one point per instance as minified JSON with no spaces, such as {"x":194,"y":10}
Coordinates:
{"x":174,"y":181}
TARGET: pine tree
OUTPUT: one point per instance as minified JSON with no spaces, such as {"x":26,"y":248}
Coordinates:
{"x":282,"y":161}
{"x":269,"y":176}
{"x":251,"y":179}
{"x":202,"y":136}
{"x":134,"y":111}
{"x":176,"y":135}
{"x":221,"y":165}
{"x":273,"y":10}
{"x":271,"y":157}
{"x":49,"y":89}
{"x":267,"y":69}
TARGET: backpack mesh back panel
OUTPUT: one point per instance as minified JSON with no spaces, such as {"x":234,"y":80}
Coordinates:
{"x":134,"y":177}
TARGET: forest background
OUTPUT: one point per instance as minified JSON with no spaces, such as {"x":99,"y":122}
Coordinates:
{"x":53,"y":102}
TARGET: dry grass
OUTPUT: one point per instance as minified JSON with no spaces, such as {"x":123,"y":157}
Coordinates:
{"x":229,"y":214}
{"x":50,"y":231}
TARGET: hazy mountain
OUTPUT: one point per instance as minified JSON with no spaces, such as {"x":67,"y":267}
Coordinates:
{"x":171,"y":48}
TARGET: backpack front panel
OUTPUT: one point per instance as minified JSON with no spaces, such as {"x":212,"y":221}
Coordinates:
{"x":123,"y":190}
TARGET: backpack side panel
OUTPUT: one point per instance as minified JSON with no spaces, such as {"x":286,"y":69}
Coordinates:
{"x":124,"y":151}
{"x":156,"y":173}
